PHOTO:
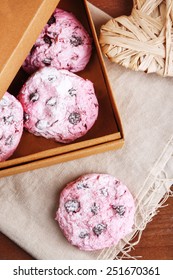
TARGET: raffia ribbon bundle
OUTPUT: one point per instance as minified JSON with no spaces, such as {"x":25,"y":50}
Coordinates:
{"x":144,"y":40}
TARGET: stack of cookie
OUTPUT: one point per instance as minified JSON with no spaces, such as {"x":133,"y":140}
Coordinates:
{"x":57,"y":104}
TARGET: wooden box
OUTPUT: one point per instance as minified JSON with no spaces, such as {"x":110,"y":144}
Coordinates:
{"x":21,"y":23}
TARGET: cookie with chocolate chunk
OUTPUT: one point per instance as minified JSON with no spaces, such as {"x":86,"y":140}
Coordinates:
{"x":11,"y":125}
{"x":58,"y":104}
{"x":95,"y":211}
{"x":63,"y":43}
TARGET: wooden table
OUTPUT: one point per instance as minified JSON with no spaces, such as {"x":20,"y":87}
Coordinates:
{"x":157,"y":238}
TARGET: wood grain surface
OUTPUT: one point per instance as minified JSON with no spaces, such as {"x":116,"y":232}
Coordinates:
{"x":157,"y":239}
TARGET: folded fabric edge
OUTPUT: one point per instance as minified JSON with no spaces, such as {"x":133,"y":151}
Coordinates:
{"x":158,"y":189}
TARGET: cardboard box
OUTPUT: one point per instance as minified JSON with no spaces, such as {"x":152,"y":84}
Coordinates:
{"x":35,"y":152}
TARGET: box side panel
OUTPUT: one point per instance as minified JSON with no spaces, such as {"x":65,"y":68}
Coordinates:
{"x":100,"y":56}
{"x":61,"y":150}
{"x":20,"y":24}
{"x":62,"y":158}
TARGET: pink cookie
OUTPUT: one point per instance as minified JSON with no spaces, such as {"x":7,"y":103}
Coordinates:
{"x":63,"y":43}
{"x":95,"y":211}
{"x":58,"y":104}
{"x":11,"y":125}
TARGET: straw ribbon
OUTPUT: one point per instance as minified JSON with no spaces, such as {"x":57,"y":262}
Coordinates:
{"x":144,"y":40}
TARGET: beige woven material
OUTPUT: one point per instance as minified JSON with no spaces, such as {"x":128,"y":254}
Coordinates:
{"x":144,"y":40}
